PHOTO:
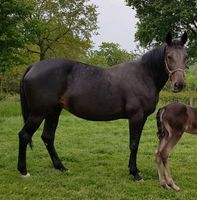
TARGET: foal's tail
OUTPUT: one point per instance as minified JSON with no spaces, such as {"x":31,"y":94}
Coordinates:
{"x":160,"y":125}
{"x":24,"y":106}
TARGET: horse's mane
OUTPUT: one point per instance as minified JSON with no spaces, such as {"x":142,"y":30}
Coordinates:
{"x":154,"y":59}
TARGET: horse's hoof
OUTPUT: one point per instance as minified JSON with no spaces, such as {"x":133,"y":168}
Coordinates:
{"x":26,"y":175}
{"x":67,"y":171}
{"x":165,"y":186}
{"x":172,"y":185}
{"x":175,"y":188}
{"x":62,"y":168}
{"x":138,"y":178}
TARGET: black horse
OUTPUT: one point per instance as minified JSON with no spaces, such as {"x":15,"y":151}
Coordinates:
{"x":129,"y":91}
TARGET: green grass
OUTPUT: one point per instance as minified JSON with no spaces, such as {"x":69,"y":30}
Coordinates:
{"x":96,"y":154}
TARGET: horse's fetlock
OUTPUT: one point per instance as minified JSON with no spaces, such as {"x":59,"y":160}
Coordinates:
{"x":162,"y":183}
{"x":170,"y":182}
{"x":133,"y":171}
{"x":22,"y":169}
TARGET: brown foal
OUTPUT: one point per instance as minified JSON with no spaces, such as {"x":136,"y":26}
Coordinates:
{"x":172,"y":121}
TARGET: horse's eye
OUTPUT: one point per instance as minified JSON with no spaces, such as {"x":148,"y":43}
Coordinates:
{"x":169,"y":57}
{"x":186,"y":57}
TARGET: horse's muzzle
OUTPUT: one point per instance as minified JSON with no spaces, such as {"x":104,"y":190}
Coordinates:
{"x":178,"y":86}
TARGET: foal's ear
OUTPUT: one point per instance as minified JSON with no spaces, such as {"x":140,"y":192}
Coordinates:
{"x":169,"y":38}
{"x":184,"y":38}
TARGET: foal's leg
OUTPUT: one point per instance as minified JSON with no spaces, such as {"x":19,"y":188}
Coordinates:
{"x":48,"y":137}
{"x":25,"y":135}
{"x":160,"y":167}
{"x":165,"y":154}
{"x":136,"y":125}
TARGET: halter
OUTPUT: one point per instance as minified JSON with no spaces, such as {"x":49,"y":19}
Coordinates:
{"x":171,"y":72}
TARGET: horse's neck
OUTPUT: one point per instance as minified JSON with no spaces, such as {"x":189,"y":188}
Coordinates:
{"x":158,"y":74}
{"x":161,"y":81}
{"x":154,"y":64}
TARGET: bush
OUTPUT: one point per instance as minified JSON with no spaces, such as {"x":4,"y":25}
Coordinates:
{"x":186,"y":97}
{"x":10,"y":80}
{"x":2,"y":96}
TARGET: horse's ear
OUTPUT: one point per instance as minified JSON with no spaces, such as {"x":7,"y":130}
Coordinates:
{"x":184,"y":38}
{"x":169,"y":38}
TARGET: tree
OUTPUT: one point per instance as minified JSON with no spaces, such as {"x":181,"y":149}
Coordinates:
{"x":156,"y":18}
{"x":55,"y":23}
{"x":109,"y":54}
{"x":12,"y":37}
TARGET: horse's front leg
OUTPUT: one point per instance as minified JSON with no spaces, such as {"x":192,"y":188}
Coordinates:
{"x":136,"y":124}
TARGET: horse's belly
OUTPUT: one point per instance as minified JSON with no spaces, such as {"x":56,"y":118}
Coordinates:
{"x":93,"y":108}
{"x":96,"y":117}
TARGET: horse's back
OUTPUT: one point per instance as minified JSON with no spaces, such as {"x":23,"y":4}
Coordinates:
{"x":48,"y":81}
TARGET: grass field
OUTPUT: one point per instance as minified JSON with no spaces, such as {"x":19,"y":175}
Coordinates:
{"x":97,"y":155}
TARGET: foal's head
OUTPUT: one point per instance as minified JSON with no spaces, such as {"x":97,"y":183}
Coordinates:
{"x":175,"y":61}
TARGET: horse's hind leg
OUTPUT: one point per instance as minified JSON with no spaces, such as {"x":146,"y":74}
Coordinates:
{"x":48,"y":136}
{"x":25,"y":135}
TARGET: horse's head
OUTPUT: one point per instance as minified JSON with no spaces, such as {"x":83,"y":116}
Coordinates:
{"x":175,"y":61}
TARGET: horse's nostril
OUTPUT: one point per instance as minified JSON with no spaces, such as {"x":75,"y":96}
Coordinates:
{"x":179,"y":85}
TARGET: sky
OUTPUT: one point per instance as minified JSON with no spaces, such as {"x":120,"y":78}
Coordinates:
{"x":117,"y":23}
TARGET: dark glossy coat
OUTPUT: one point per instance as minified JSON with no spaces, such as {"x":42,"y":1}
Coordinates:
{"x":129,"y":90}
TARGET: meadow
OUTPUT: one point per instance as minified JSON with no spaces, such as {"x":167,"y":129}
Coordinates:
{"x":96,"y":154}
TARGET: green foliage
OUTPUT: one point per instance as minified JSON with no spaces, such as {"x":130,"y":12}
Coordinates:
{"x":36,"y":29}
{"x":10,"y":80}
{"x":55,"y":23}
{"x":193,"y":69}
{"x":109,"y":54}
{"x":13,"y":15}
{"x":96,"y":154}
{"x":70,"y":47}
{"x":186,"y":97}
{"x":191,"y":82}
{"x":157,"y":18}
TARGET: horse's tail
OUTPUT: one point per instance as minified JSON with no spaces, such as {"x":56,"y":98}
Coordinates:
{"x":24,"y":106}
{"x":160,"y":125}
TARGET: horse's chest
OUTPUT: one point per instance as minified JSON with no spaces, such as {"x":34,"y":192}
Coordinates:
{"x":148,"y":103}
